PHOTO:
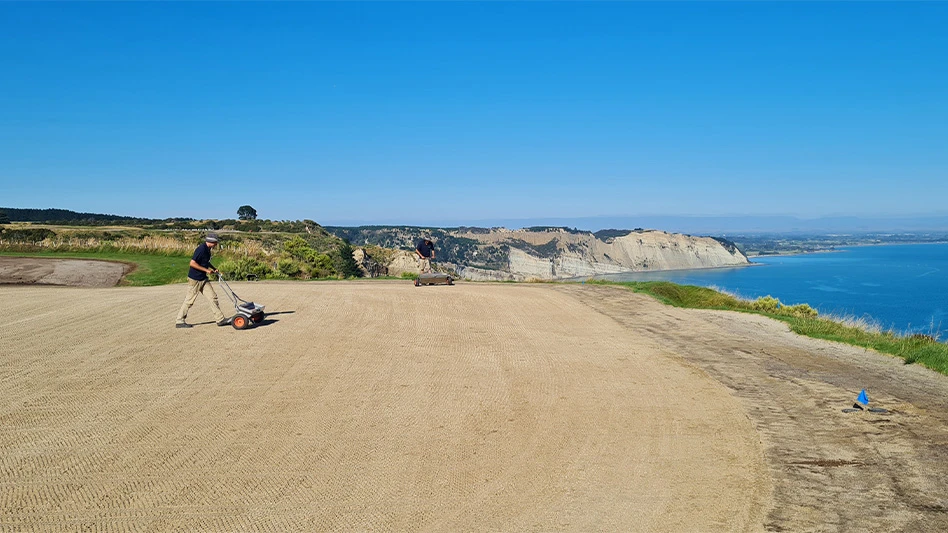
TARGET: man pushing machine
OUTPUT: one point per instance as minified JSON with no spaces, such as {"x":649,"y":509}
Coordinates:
{"x":199,"y":283}
{"x":425,"y":251}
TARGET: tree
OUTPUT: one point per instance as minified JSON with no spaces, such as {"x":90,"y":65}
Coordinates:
{"x":344,"y":264}
{"x":246,"y":212}
{"x":4,"y":218}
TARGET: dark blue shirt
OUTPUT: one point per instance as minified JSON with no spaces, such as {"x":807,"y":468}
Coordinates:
{"x":202,"y":256}
{"x":424,"y":249}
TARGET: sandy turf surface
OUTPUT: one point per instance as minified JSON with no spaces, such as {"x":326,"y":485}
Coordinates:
{"x":68,"y":272}
{"x":378,"y":406}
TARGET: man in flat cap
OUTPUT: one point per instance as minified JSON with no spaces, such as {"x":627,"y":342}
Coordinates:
{"x":199,"y":283}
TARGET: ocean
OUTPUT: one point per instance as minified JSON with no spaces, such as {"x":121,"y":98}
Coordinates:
{"x":903,"y":288}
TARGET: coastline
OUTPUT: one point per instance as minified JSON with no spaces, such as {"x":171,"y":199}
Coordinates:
{"x":836,"y":248}
{"x":607,"y":277}
{"x":886,"y":285}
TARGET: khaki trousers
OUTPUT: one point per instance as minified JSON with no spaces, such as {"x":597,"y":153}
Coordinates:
{"x":205,"y":288}
{"x":424,"y":264}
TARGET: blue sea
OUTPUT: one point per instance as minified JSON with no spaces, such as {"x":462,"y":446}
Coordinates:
{"x":899,"y":287}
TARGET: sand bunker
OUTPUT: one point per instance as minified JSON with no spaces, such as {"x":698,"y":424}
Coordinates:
{"x":68,"y":272}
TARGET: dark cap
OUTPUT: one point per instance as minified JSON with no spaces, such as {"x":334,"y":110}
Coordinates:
{"x":211,"y":237}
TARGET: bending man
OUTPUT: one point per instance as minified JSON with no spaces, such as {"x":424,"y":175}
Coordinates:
{"x":426,"y":252}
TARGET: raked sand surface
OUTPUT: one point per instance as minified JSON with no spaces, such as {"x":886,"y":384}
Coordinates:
{"x":379,"y":406}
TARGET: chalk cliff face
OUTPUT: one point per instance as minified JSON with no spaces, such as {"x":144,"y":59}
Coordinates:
{"x":561,"y":254}
{"x":543,"y":253}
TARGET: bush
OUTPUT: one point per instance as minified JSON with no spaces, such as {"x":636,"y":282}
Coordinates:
{"x":320,"y":265}
{"x":799,"y":311}
{"x":767,"y":304}
{"x":289,"y":267}
{"x":923,"y":338}
{"x":409,"y":275}
{"x":245,"y":267}
{"x":298,"y":248}
{"x":26,"y":235}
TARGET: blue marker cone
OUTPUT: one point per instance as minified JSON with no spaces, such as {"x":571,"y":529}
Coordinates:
{"x":863,"y":398}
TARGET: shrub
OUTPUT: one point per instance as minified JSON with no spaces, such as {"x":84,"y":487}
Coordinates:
{"x":244,"y":267}
{"x":228,"y":269}
{"x":923,"y":338}
{"x":27,"y":235}
{"x":409,"y":275}
{"x":289,"y":267}
{"x":799,"y":311}
{"x":320,"y":265}
{"x":767,"y":304}
{"x":297,"y":248}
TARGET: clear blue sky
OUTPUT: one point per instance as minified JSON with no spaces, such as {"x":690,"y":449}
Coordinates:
{"x":432,"y":113}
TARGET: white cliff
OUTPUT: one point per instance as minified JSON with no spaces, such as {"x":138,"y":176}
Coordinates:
{"x":561,"y":254}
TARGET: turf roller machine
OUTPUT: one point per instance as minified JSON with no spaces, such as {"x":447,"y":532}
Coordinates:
{"x":248,"y":313}
{"x":433,"y":278}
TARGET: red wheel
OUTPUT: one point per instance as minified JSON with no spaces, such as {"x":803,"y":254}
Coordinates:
{"x":256,"y":318}
{"x":239,"y":322}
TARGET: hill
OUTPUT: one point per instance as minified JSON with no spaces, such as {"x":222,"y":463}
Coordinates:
{"x":304,"y":249}
{"x":64,"y":215}
{"x":548,"y":253}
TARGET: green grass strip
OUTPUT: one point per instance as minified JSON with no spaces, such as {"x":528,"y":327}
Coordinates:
{"x":149,"y":270}
{"x":921,"y":349}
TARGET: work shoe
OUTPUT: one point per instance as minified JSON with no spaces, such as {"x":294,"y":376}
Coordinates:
{"x":183,"y":325}
{"x":223,"y":322}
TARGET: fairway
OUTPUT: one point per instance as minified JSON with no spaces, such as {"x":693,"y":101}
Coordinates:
{"x":379,"y":406}
{"x":361,"y":406}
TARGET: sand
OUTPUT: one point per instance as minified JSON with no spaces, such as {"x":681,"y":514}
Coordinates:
{"x":67,"y":272}
{"x":379,"y":406}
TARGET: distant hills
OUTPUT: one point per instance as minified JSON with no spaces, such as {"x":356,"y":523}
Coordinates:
{"x":723,"y":225}
{"x":531,"y":250}
{"x":697,"y":225}
{"x":65,"y":215}
{"x":499,"y":254}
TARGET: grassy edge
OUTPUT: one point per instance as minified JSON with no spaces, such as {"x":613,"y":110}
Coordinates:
{"x":921,"y":349}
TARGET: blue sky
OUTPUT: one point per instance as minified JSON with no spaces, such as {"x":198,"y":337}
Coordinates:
{"x":446,"y":113}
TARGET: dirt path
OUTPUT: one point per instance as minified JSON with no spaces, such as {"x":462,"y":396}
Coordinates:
{"x":832,"y":471}
{"x":68,"y":272}
{"x":379,"y":406}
